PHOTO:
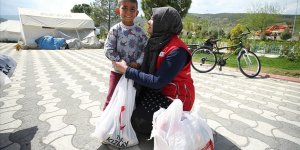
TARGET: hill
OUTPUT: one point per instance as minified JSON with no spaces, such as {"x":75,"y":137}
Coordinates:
{"x":9,"y":17}
{"x":226,"y":20}
{"x":229,"y":20}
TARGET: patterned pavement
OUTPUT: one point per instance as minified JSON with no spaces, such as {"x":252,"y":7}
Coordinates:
{"x":55,"y":97}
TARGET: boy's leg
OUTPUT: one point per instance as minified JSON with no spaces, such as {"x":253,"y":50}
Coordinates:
{"x":113,"y":81}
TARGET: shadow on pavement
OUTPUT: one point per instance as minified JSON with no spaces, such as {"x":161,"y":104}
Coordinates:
{"x":223,"y":74}
{"x":144,"y":144}
{"x":258,"y":77}
{"x":222,"y":143}
{"x":22,"y":137}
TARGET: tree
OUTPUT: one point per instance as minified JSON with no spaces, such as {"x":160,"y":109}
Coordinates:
{"x":182,"y":6}
{"x":104,"y":14}
{"x":82,"y":8}
{"x":260,"y":16}
{"x":235,"y":32}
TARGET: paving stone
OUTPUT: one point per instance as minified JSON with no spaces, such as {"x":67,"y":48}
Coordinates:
{"x":55,"y":98}
{"x":271,"y":141}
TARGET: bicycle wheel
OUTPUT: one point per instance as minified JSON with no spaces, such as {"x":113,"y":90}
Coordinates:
{"x":249,"y":64}
{"x":203,"y":60}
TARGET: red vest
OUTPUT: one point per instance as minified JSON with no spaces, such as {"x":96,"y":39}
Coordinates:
{"x":181,"y":86}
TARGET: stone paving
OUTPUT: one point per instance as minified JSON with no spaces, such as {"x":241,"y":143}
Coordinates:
{"x":55,"y":97}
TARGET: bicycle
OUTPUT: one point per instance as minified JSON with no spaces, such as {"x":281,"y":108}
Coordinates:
{"x":204,"y":58}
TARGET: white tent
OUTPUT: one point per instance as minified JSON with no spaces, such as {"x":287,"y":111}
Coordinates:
{"x":36,"y":24}
{"x":10,"y":30}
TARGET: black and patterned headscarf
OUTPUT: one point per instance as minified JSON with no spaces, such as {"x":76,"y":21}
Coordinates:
{"x":166,"y":23}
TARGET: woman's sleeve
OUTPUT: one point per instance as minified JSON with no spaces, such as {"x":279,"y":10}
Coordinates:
{"x":169,"y":68}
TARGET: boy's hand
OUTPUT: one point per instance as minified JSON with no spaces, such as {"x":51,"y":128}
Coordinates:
{"x":120,"y":66}
{"x":134,"y":65}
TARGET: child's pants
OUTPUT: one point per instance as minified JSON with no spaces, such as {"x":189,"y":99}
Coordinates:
{"x":113,"y":81}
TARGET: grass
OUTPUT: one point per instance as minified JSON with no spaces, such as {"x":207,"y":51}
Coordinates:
{"x":277,"y":66}
{"x":281,"y":66}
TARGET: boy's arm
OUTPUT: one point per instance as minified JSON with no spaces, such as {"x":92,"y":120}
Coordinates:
{"x":110,"y":45}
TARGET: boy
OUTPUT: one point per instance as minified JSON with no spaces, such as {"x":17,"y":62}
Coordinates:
{"x":125,"y":41}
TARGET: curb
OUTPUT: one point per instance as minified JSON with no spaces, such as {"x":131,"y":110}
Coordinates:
{"x":292,"y":79}
{"x":267,"y":75}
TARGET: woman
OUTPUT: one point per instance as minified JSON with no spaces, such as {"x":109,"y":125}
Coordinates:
{"x":166,"y":70}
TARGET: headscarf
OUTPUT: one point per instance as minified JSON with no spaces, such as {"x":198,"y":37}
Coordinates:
{"x":166,"y":23}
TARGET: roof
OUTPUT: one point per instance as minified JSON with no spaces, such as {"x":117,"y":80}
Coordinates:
{"x":10,"y":26}
{"x":54,"y":20}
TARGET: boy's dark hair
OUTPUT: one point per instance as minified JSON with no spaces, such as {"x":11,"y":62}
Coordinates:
{"x":132,"y":1}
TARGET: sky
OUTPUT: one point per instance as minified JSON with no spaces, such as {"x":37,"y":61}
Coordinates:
{"x":10,"y":7}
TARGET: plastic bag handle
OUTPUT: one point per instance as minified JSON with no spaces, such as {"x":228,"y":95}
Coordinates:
{"x":120,"y":118}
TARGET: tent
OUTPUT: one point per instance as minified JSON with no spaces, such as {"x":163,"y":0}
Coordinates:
{"x":10,"y":31}
{"x":72,"y":27}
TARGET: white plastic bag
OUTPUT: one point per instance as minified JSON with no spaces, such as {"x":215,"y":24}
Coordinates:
{"x":174,"y":129}
{"x":114,"y":126}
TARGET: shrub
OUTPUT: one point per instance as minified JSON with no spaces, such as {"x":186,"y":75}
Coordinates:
{"x":285,"y":34}
{"x":213,"y":34}
{"x":263,"y":37}
{"x":291,"y":50}
{"x":228,"y":35}
{"x":189,"y":35}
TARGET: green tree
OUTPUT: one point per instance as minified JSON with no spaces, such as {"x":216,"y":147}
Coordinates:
{"x":235,"y":32}
{"x":104,"y":14}
{"x":182,"y":6}
{"x":207,"y":23}
{"x":260,"y":16}
{"x":82,"y":8}
{"x":188,"y":25}
{"x":192,"y":23}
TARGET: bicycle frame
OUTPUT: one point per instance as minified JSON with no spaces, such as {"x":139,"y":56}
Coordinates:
{"x":237,"y":48}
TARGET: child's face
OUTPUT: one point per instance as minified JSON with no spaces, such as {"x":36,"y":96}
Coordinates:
{"x":150,"y":26}
{"x":127,"y":11}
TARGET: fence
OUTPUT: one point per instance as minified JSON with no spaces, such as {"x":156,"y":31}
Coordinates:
{"x":266,"y":48}
{"x":275,"y":48}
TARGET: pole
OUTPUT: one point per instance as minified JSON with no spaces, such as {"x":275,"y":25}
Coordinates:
{"x":295,"y":21}
{"x":108,"y":15}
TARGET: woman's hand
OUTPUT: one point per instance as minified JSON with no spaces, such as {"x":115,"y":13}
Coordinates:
{"x":120,"y":66}
{"x":134,"y":65}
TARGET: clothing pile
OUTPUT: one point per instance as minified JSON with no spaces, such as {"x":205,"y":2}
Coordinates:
{"x":7,"y":68}
{"x":50,"y":43}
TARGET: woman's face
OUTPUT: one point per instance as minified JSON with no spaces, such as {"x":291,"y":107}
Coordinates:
{"x":150,"y":26}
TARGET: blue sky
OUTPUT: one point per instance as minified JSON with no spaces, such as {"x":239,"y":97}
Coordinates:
{"x":10,"y":7}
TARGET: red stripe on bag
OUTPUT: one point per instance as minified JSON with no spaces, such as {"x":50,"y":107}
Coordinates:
{"x":120,"y":118}
{"x":209,"y":146}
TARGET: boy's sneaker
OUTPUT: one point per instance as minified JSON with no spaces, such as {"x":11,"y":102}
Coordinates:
{"x":104,"y":143}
